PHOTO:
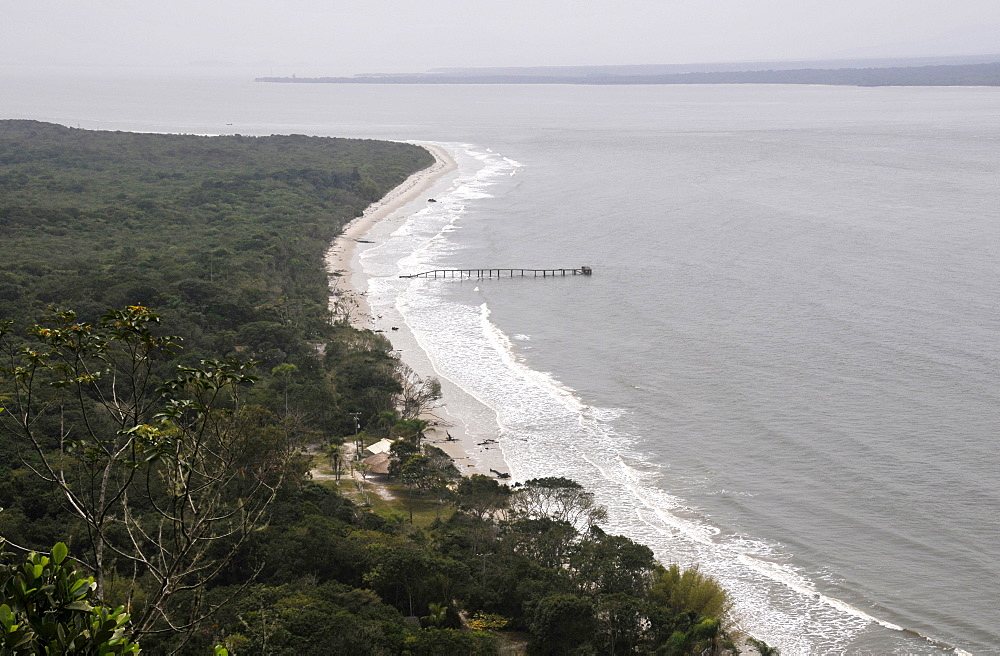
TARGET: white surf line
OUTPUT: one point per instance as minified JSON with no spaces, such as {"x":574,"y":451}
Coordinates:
{"x":771,"y":571}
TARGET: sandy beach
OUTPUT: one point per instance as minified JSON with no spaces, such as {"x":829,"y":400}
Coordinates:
{"x":341,"y":262}
{"x":348,"y":298}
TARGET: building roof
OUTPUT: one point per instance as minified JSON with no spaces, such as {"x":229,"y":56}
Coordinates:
{"x":378,"y":463}
{"x":382,"y":446}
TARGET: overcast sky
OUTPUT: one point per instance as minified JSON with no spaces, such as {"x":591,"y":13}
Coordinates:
{"x":339,"y":37}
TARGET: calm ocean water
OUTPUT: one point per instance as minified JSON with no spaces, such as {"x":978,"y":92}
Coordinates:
{"x":786,"y":366}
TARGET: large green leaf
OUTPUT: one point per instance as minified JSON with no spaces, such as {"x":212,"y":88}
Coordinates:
{"x":59,"y":552}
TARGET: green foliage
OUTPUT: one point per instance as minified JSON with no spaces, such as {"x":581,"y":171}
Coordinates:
{"x":611,"y":564}
{"x":553,"y":483}
{"x":624,"y":624}
{"x":437,"y":616}
{"x":488,"y":622}
{"x":482,"y":496}
{"x":557,"y":498}
{"x":226,"y":236}
{"x":546,"y":541}
{"x":703,"y":637}
{"x":161,"y":476}
{"x":763,"y":648}
{"x":688,"y":591}
{"x":402,"y":450}
{"x":434,"y":642}
{"x":304,"y":618}
{"x":50,"y":608}
{"x":561,"y":623}
{"x":410,"y":576}
{"x":410,"y":429}
{"x":575,"y":593}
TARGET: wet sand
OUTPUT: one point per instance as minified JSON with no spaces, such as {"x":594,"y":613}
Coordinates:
{"x":348,"y":299}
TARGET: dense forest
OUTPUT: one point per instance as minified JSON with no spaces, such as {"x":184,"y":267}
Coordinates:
{"x":170,"y":376}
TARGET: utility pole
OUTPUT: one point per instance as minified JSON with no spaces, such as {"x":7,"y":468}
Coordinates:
{"x":357,"y":435}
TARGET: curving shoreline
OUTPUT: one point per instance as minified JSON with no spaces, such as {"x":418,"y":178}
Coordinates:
{"x":341,"y":258}
{"x":348,"y":297}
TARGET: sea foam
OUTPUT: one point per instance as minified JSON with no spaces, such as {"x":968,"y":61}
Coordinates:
{"x":546,"y":429}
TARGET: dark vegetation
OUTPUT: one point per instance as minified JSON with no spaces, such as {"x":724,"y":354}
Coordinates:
{"x":980,"y":74}
{"x":166,"y":448}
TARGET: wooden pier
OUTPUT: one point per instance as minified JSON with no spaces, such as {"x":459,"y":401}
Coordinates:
{"x":501,"y":273}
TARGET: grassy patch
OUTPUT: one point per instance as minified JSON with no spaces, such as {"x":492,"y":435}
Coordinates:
{"x":425,"y":509}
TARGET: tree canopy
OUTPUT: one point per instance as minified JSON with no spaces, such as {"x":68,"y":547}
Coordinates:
{"x":161,"y":444}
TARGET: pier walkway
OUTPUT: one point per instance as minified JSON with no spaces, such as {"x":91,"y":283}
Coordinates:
{"x":501,"y":273}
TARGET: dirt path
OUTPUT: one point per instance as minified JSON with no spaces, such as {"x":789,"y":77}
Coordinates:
{"x":361,"y":483}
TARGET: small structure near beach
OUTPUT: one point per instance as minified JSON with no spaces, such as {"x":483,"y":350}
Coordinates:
{"x":382,"y":446}
{"x":378,"y":463}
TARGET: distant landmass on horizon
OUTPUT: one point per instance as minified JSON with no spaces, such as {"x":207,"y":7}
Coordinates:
{"x":929,"y":71}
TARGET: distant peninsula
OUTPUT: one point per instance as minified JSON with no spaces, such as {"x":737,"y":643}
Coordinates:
{"x":964,"y":71}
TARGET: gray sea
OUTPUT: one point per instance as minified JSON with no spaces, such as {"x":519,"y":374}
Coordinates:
{"x":786,"y":365}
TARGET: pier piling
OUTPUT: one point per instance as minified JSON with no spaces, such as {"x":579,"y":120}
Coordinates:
{"x":500,"y":273}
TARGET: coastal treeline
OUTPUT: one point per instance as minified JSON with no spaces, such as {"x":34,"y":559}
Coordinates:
{"x":169,"y":376}
{"x":982,"y":74}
